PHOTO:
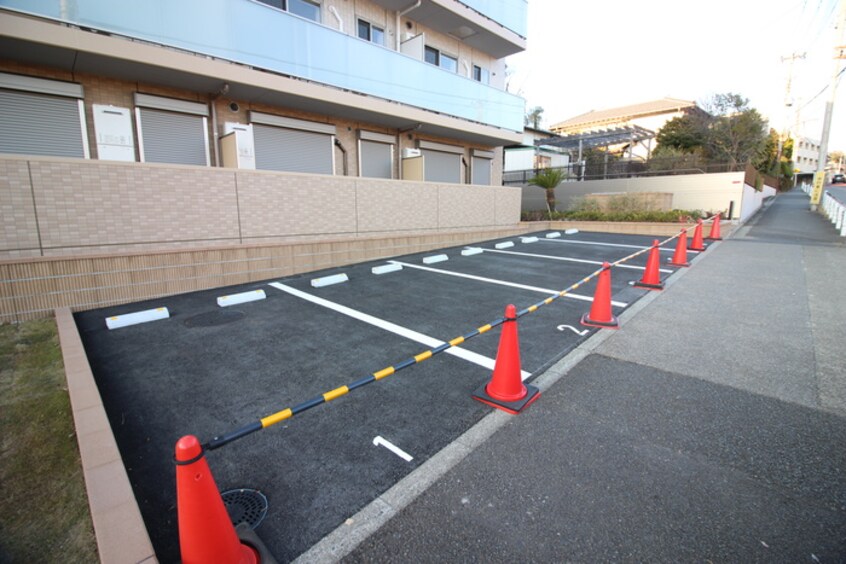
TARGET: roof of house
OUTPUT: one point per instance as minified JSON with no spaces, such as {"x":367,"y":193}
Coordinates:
{"x":662,"y":106}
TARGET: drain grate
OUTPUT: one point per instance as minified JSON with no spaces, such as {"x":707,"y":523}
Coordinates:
{"x":245,"y":506}
{"x":214,"y":318}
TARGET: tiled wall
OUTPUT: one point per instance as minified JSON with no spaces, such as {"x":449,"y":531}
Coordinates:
{"x":84,"y":234}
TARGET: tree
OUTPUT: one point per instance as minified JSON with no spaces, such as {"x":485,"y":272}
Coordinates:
{"x":736,"y":133}
{"x":533,"y":118}
{"x":548,"y":179}
{"x":685,"y":134}
{"x":729,"y":131}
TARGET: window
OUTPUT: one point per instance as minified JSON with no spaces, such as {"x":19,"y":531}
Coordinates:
{"x":370,"y":32}
{"x":437,"y":58}
{"x":481,"y":75}
{"x":482,"y":163}
{"x":42,"y":117}
{"x":442,"y":163}
{"x":376,"y":154}
{"x":171,"y":131}
{"x":303,"y":8}
{"x":293,"y":145}
{"x":449,"y":63}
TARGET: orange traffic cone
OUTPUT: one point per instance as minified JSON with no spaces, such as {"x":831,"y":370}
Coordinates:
{"x":697,"y":244}
{"x":506,"y":390}
{"x":680,"y":256}
{"x":715,"y":230}
{"x":206,"y":533}
{"x":600,"y":311}
{"x":651,"y":279}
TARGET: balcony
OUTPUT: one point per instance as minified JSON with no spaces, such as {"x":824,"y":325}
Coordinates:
{"x":253,"y":34}
{"x":496,"y":27}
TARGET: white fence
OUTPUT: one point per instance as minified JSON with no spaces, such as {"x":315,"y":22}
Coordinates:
{"x":834,"y":210}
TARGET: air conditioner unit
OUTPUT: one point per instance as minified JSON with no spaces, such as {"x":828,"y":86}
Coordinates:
{"x":410,"y":153}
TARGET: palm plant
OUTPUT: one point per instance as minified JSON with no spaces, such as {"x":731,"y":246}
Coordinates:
{"x":548,"y":179}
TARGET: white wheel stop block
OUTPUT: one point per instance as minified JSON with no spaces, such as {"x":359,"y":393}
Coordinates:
{"x":571,"y":232}
{"x":386,"y":268}
{"x":529,"y":239}
{"x":435,"y":258}
{"x":505,"y":245}
{"x":329,"y":280}
{"x":127,"y":319}
{"x":242,"y":298}
{"x":472,"y":251}
{"x":553,"y":235}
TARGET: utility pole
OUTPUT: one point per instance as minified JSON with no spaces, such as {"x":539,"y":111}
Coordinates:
{"x":840,"y":54}
{"x":785,"y":131}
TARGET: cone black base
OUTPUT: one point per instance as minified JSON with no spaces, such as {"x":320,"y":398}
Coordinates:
{"x":679,"y":264}
{"x":512,"y":407}
{"x":700,"y":249}
{"x":588,"y":322}
{"x":713,"y":238}
{"x":645,"y":286}
{"x":249,"y":537}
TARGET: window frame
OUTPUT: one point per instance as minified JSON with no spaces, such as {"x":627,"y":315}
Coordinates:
{"x":285,"y":6}
{"x":484,"y":75}
{"x":439,"y":57}
{"x":370,"y":27}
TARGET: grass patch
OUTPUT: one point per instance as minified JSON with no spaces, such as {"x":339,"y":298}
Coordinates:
{"x":44,"y":512}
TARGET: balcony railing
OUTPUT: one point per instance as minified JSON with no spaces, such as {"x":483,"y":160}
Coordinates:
{"x":254,"y":34}
{"x":508,"y":13}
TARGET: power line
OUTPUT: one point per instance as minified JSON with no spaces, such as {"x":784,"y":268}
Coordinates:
{"x":823,"y":89}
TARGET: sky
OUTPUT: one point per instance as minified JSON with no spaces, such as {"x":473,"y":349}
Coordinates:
{"x":602,"y":54}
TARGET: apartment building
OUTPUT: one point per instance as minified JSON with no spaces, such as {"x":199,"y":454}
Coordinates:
{"x":164,"y":146}
{"x":333,"y":87}
{"x":806,"y":155}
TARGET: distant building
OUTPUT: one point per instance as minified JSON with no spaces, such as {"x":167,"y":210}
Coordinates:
{"x":530,"y":156}
{"x":651,"y":115}
{"x":806,"y":154}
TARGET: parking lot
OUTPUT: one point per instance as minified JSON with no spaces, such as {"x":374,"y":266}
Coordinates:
{"x":208,"y":370}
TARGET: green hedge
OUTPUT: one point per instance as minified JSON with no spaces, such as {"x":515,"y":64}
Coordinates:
{"x":671,"y":216}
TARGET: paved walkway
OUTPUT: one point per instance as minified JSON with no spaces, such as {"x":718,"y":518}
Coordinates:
{"x":711,"y":427}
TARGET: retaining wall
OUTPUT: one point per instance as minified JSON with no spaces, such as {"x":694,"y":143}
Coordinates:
{"x":708,"y":192}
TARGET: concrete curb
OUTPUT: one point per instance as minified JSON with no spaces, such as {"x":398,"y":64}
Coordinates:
{"x":118,"y":525}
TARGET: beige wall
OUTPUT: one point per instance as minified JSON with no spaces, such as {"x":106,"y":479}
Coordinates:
{"x":708,"y":192}
{"x":57,"y":206}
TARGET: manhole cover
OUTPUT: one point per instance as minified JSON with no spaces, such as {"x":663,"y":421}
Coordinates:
{"x":245,"y":506}
{"x":214,"y":318}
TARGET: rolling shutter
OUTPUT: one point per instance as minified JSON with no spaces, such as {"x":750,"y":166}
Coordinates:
{"x":172,"y":137}
{"x":292,"y":150}
{"x":40,"y":124}
{"x":481,"y":164}
{"x":442,"y":167}
{"x":376,"y":159}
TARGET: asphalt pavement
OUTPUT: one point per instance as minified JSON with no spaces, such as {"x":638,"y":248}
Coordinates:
{"x":710,"y":427}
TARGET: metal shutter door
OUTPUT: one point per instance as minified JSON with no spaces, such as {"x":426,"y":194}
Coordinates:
{"x":442,"y":167}
{"x":376,"y":160}
{"x":37,"y":124}
{"x":481,"y":171}
{"x":174,"y":138}
{"x":292,"y":150}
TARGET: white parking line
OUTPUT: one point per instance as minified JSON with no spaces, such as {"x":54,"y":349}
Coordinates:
{"x":568,"y":259}
{"x":546,"y":291}
{"x":410,"y":334}
{"x":667,"y":249}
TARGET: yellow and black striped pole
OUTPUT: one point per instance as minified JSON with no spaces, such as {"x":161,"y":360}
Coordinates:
{"x":287,"y":413}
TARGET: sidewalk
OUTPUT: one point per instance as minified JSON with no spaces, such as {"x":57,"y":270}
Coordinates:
{"x":711,"y":426}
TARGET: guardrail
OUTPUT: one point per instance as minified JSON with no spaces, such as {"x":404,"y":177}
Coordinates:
{"x":835,"y":210}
